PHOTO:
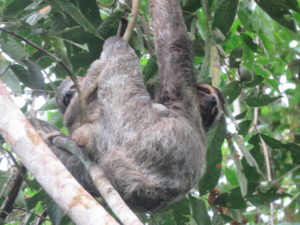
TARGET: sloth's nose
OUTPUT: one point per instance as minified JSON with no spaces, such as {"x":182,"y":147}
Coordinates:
{"x":213,"y":101}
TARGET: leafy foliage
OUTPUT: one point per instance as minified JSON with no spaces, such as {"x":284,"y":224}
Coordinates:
{"x":253,"y":158}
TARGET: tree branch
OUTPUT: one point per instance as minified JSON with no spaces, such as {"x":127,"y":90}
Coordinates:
{"x":133,"y":19}
{"x":15,"y":185}
{"x":60,"y":143}
{"x":46,"y":168}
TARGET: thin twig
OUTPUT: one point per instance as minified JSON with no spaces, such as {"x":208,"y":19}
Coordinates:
{"x":42,"y":219}
{"x":54,"y":57}
{"x":133,"y":19}
{"x":58,"y":60}
{"x":269,"y":175}
{"x":255,"y":120}
{"x":286,"y":174}
{"x":32,"y":91}
{"x":267,"y":159}
{"x":32,"y":213}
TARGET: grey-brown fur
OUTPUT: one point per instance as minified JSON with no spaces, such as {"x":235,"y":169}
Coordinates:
{"x":153,"y":152}
{"x":72,"y":162}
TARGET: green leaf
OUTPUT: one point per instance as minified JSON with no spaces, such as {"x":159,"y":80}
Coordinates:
{"x":74,"y":12}
{"x":31,"y":76}
{"x":36,"y":77}
{"x":50,"y":105}
{"x":56,"y":214}
{"x":290,"y":4}
{"x":181,"y":211}
{"x":295,"y":152}
{"x":232,"y":90}
{"x":137,"y":42}
{"x":251,"y":174}
{"x":261,"y":100}
{"x":199,"y":211}
{"x":61,"y":51}
{"x":241,"y":115}
{"x":11,"y":81}
{"x":249,"y":42}
{"x":22,"y":74}
{"x":245,"y":74}
{"x":14,"y":9}
{"x":257,"y":79}
{"x":278,"y":12}
{"x":4,"y":177}
{"x":14,"y":49}
{"x":4,"y":65}
{"x":198,"y":47}
{"x":55,"y":119}
{"x":243,"y":182}
{"x":191,"y":5}
{"x":150,"y":69}
{"x":264,"y":198}
{"x":91,"y":10}
{"x":224,"y":14}
{"x":232,"y":199}
{"x":110,"y":25}
{"x":271,"y":142}
{"x":218,"y":219}
{"x":231,"y":177}
{"x":254,"y":140}
{"x":33,"y":201}
{"x":244,"y":127}
{"x":235,"y":57}
{"x":246,"y":153}
{"x":33,"y":18}
{"x":215,"y":139}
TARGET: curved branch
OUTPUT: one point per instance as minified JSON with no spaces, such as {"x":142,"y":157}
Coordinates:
{"x":36,"y":156}
{"x":132,"y":22}
{"x":60,"y":143}
{"x":113,"y":198}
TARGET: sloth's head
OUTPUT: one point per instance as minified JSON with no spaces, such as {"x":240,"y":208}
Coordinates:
{"x":211,"y":104}
{"x":65,"y":93}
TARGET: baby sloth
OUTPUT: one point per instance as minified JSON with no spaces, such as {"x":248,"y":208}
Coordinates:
{"x":152,"y":151}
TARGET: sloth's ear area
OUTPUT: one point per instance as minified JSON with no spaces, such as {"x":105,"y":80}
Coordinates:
{"x":65,"y":93}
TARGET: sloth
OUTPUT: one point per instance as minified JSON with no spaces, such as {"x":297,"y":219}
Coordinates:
{"x":153,"y":151}
{"x":71,"y":162}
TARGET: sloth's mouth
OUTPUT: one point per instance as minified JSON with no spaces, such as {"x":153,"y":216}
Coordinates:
{"x":214,"y":111}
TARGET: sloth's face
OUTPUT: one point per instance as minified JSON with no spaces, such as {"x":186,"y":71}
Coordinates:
{"x":66,"y":92}
{"x":211,"y":104}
